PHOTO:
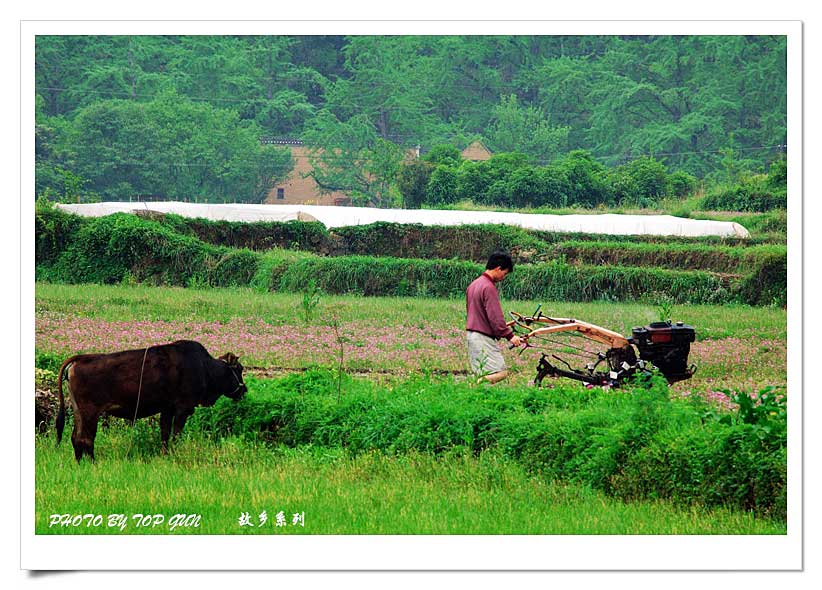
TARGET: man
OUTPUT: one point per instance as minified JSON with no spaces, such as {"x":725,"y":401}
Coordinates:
{"x":486,"y":323}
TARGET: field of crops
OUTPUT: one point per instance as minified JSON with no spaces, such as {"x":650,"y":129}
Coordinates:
{"x":442,"y":454}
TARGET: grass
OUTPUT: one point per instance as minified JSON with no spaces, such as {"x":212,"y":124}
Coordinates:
{"x":737,"y":346}
{"x":150,"y":303}
{"x":370,"y":493}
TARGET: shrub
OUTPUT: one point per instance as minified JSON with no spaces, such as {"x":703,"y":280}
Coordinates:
{"x":587,"y":179}
{"x":443,"y":154}
{"x":473,"y":181}
{"x":525,"y":188}
{"x":639,"y":181}
{"x":53,"y":231}
{"x":124,"y":247}
{"x":302,"y":235}
{"x":767,"y":282}
{"x":681,"y":184}
{"x":412,"y":181}
{"x":555,"y":187}
{"x":750,"y":194}
{"x":633,"y":443}
{"x":778,"y":173}
{"x":442,"y":186}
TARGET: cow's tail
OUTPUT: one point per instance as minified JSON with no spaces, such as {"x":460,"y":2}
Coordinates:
{"x":60,"y":422}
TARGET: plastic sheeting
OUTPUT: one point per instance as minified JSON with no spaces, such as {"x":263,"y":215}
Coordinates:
{"x":609,"y":223}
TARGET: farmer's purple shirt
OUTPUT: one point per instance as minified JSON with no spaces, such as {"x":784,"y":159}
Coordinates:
{"x":484,"y":310}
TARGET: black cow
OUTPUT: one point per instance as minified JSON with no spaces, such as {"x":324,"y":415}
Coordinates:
{"x":168,"y":379}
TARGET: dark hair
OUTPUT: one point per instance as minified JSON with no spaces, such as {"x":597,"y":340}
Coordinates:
{"x":500,"y":259}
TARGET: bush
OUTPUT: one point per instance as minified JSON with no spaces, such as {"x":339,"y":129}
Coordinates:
{"x":301,"y":235}
{"x":750,"y":194}
{"x":124,"y":247}
{"x":556,"y":187}
{"x":640,"y":181}
{"x":525,"y":188}
{"x":632,"y":443}
{"x":442,"y":186}
{"x":681,"y":184}
{"x":587,"y":179}
{"x":444,"y":155}
{"x":778,"y":173}
{"x":473,"y":181}
{"x":117,"y":247}
{"x":766,"y":283}
{"x":53,"y":231}
{"x":412,"y":181}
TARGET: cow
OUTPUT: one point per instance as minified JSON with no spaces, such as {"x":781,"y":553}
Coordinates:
{"x":167,"y":379}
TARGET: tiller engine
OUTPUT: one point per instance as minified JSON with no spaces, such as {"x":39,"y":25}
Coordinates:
{"x":661,"y":345}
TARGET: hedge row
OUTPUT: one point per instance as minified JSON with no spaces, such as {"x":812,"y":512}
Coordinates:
{"x":123,"y":247}
{"x":752,"y":194}
{"x":553,"y":281}
{"x":632,"y":443}
{"x":474,"y":242}
{"x":724,"y":259}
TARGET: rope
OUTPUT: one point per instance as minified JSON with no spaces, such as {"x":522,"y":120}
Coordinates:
{"x":137,"y":405}
{"x":140,"y":387}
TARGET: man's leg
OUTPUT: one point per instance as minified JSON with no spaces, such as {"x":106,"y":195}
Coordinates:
{"x":495,"y":377}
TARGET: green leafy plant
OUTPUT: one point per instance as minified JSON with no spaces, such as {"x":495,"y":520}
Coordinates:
{"x":310,"y":300}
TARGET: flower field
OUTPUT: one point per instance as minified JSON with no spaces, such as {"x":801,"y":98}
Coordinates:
{"x":385,"y":336}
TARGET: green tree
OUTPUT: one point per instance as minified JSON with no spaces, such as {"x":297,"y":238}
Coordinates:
{"x":412,"y":181}
{"x":778,"y":173}
{"x":387,"y":80}
{"x":555,"y":186}
{"x":349,"y":156}
{"x":525,"y":129}
{"x":445,"y":154}
{"x":473,"y":181}
{"x":639,"y":181}
{"x":172,"y":148}
{"x":679,"y":99}
{"x":587,"y":179}
{"x":526,"y":188}
{"x":442,"y":186}
{"x":681,"y":183}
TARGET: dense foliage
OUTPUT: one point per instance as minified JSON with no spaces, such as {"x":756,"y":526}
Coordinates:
{"x":164,"y":117}
{"x":577,"y":179}
{"x":632,"y":443}
{"x":171,"y":251}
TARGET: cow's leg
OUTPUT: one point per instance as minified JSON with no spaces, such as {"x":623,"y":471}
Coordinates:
{"x":83,"y":434}
{"x":180,"y":417}
{"x":75,"y":435}
{"x":166,"y":418}
{"x":91,"y":434}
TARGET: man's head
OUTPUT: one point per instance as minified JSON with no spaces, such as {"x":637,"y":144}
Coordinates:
{"x":499,"y":265}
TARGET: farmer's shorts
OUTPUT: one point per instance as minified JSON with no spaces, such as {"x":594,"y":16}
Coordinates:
{"x":484,"y":354}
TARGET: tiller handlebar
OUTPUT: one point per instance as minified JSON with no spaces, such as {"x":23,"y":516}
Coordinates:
{"x":663,"y":345}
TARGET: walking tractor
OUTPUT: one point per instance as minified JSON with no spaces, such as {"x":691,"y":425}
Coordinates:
{"x":661,"y":345}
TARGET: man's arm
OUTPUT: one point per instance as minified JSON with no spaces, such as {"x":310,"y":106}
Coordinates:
{"x":493,"y":311}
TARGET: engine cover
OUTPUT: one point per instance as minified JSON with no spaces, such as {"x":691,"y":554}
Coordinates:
{"x":667,"y":347}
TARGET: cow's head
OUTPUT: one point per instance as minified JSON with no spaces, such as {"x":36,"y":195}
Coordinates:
{"x":238,"y":386}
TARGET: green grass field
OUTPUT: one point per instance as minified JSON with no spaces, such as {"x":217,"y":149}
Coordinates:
{"x":370,"y":493}
{"x":737,"y":346}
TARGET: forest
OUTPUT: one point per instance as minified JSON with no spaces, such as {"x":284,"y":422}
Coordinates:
{"x":571,"y":120}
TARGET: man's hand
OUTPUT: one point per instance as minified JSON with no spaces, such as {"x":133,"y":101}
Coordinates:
{"x":515,"y":341}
